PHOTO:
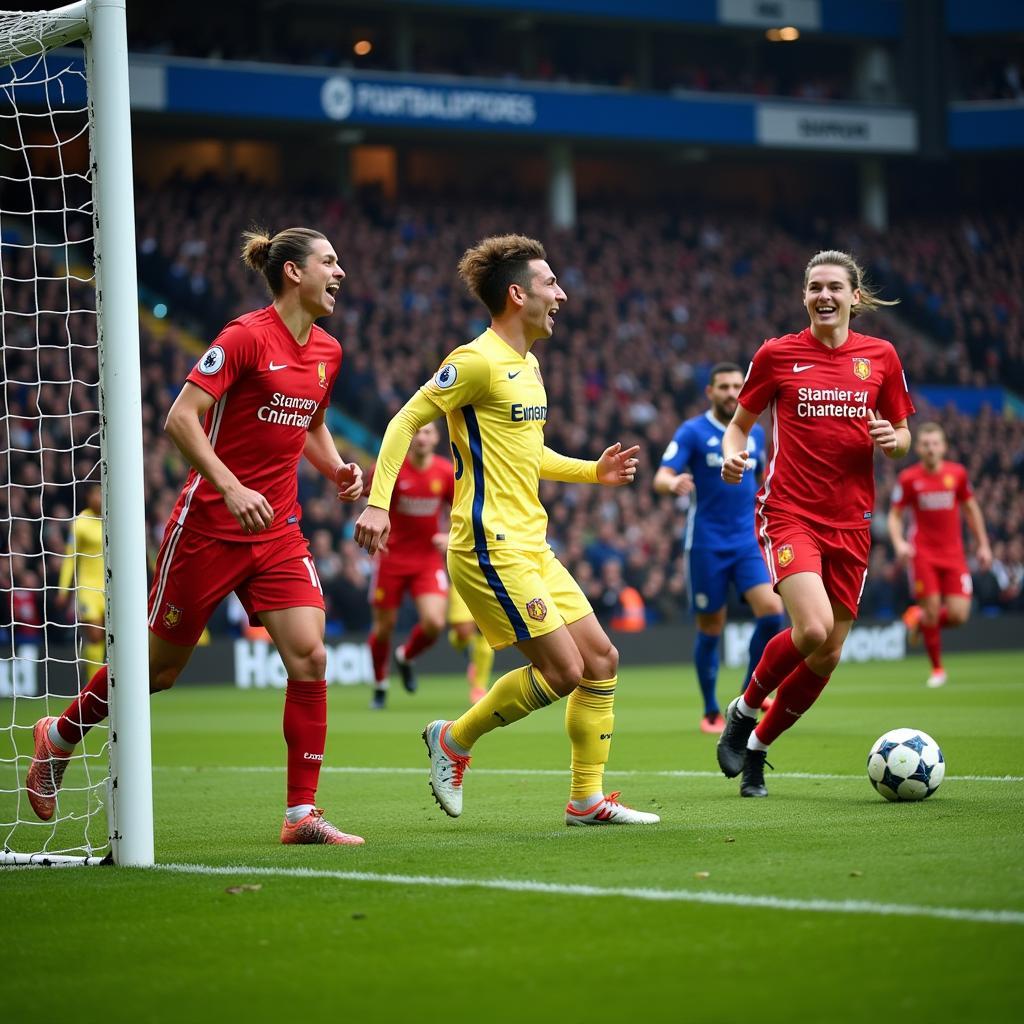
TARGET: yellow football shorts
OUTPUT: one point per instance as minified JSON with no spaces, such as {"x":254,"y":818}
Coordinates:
{"x":92,"y":606}
{"x":516,"y":595}
{"x":458,"y":610}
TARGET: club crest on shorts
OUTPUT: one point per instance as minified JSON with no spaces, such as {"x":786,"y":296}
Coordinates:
{"x":172,"y":615}
{"x":537,"y":609}
{"x":784,"y":555}
{"x":321,"y":374}
{"x":861,"y":367}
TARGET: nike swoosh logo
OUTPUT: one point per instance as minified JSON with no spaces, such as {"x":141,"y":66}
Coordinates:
{"x":797,"y":368}
{"x":274,"y":366}
{"x":512,"y":375}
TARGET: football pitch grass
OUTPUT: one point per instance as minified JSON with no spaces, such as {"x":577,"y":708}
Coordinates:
{"x":821,"y":903}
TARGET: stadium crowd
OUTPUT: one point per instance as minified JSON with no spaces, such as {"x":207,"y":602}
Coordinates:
{"x":654,"y":300}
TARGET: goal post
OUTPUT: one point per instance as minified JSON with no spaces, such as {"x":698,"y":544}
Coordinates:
{"x":100,"y":25}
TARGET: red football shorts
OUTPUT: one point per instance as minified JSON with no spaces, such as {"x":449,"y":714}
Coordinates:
{"x":840,"y":557}
{"x":393,"y":580}
{"x":194,"y":573}
{"x":949,"y":579}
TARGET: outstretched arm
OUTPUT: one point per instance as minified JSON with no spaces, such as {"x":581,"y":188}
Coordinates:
{"x":374,"y":525}
{"x":555,"y":466}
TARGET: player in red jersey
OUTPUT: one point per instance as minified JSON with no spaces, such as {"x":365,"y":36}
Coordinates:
{"x":835,"y":396}
{"x":934,"y":490}
{"x":261,"y":391}
{"x":413,"y":563}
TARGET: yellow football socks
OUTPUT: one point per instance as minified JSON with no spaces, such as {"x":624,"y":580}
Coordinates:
{"x":589,"y":719}
{"x":481,"y":654}
{"x":458,"y":642}
{"x":511,"y":698}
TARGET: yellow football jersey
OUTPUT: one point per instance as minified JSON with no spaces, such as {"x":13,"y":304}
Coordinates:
{"x":83,"y":562}
{"x":496,"y":406}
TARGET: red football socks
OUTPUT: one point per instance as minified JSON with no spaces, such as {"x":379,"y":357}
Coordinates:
{"x":933,"y":645}
{"x":380,"y":651}
{"x":932,"y":641}
{"x":417,"y":643}
{"x":799,"y":690}
{"x":780,"y":657}
{"x":89,"y":708}
{"x":305,"y":732}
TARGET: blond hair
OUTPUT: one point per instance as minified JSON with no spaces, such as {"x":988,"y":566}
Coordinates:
{"x":268,"y":255}
{"x":491,"y":266}
{"x":869,"y":299}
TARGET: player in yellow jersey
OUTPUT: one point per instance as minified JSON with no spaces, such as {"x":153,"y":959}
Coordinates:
{"x":493,"y":396}
{"x":81,"y":575}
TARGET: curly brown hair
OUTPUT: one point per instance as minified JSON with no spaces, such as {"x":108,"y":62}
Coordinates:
{"x":495,"y":263}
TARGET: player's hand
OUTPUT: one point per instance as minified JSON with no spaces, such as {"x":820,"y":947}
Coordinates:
{"x":902,"y":550}
{"x":62,"y":599}
{"x":682,"y":484}
{"x":440,"y":542}
{"x":984,"y":557}
{"x":617,"y":466}
{"x":349,"y":478}
{"x":250,"y":509}
{"x":735,"y":466}
{"x":882,"y":432}
{"x":373,"y":528}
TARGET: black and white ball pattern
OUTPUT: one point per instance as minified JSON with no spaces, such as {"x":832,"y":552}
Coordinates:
{"x":906,"y":764}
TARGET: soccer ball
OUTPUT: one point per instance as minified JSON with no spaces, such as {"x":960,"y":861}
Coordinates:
{"x":906,"y":764}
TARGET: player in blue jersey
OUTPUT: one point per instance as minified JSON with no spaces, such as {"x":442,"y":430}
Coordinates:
{"x":721,"y":546}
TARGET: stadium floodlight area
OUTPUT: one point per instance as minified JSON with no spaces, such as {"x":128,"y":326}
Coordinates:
{"x":70,"y":414}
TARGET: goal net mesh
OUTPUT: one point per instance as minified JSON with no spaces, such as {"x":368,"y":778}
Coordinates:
{"x":50,"y":428}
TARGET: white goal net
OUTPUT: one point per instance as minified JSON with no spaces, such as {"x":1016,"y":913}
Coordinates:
{"x":55,"y":451}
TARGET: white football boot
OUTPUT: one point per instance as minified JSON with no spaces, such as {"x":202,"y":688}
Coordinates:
{"x":608,"y":811}
{"x":446,"y":768}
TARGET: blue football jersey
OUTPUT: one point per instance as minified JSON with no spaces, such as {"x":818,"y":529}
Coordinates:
{"x":721,"y":515}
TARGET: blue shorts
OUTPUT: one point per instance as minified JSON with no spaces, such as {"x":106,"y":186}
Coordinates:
{"x":711,"y":572}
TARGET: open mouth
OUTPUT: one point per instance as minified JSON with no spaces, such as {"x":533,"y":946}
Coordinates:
{"x":825,"y":310}
{"x":333,"y":288}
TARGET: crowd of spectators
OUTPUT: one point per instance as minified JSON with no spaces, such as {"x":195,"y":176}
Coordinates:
{"x":513,"y":49}
{"x":654,"y":299}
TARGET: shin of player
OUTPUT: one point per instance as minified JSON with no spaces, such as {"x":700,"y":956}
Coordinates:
{"x":721,"y":547}
{"x":934,"y":491}
{"x":251,"y":408}
{"x":836,"y":396}
{"x":492,"y":393}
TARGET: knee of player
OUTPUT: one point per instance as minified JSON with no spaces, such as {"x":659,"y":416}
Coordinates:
{"x":812,"y":635}
{"x":162,"y":678}
{"x":317,"y":662}
{"x":609,"y":660}
{"x":825,"y":660}
{"x":957,"y":616}
{"x":432,"y":625}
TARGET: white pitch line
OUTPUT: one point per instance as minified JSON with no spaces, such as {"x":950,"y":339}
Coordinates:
{"x":559,"y":772}
{"x":624,"y":892}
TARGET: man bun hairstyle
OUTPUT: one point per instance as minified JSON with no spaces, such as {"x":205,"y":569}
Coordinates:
{"x":869,"y":298}
{"x":268,"y":254}
{"x":491,"y":266}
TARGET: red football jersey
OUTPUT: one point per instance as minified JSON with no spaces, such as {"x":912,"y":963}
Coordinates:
{"x":416,"y":504}
{"x":822,"y":467}
{"x":935,"y":499}
{"x":267,"y":389}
